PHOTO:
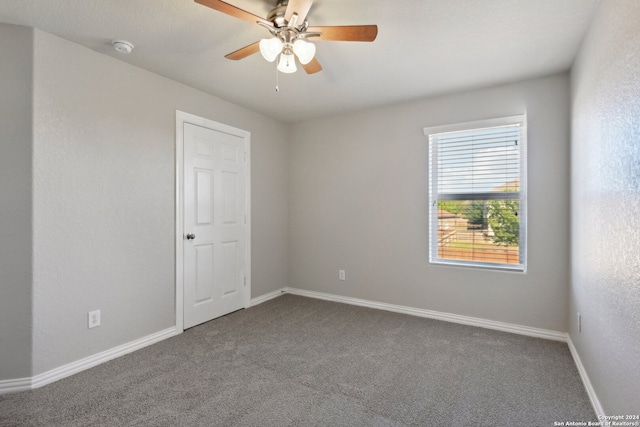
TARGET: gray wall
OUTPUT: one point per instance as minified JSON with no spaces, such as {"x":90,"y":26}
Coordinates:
{"x":103,"y":209}
{"x":16,"y":65}
{"x":605,"y":206}
{"x":358,"y":201}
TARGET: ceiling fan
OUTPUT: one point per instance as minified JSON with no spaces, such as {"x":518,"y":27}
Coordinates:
{"x":290,"y":30}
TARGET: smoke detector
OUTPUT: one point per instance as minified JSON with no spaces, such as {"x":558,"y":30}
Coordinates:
{"x":123,"y":46}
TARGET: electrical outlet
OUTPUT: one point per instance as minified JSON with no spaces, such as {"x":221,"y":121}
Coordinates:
{"x":94,"y":319}
{"x":579,"y":323}
{"x":342,"y":275}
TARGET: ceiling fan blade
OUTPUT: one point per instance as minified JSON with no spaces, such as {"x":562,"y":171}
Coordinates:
{"x":312,"y":67}
{"x":301,"y":7}
{"x":349,"y":33}
{"x":236,"y":12}
{"x":244,"y":52}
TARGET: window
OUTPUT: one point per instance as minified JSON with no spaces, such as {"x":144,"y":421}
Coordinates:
{"x":477,"y":193}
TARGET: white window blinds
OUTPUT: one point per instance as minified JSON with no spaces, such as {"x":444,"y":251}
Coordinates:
{"x":477,"y":193}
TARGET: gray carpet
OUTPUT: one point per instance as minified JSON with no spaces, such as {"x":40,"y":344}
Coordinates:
{"x":295,"y":361}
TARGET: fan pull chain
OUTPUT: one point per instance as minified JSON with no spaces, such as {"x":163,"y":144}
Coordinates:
{"x":277,"y":76}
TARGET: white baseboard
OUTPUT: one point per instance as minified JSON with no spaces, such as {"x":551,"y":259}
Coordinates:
{"x":18,"y":384}
{"x":22,"y":384}
{"x":471,"y":321}
{"x":438,"y":315}
{"x":266,"y":297}
{"x":28,"y":383}
{"x":595,"y":402}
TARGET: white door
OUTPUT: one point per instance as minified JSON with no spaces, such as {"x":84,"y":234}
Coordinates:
{"x":215,"y":235}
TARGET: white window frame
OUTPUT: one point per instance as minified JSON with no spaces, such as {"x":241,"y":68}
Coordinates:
{"x":433,"y":183}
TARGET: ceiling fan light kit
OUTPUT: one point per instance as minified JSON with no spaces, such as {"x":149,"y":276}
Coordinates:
{"x":288,"y":39}
{"x":271,"y":48}
{"x":304,"y":50}
{"x":287,"y":63}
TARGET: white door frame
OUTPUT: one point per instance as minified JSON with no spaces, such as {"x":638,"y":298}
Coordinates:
{"x":181,"y":119}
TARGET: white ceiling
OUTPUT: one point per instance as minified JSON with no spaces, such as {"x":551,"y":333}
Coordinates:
{"x":424,"y":47}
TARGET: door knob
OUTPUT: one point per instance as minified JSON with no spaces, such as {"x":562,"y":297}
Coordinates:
{"x":191,"y":236}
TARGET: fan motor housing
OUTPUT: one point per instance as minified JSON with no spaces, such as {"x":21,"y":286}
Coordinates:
{"x":276,"y":15}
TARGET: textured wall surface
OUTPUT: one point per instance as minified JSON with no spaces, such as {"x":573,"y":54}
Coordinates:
{"x":104,"y":144}
{"x":358,"y":198}
{"x":606,"y":205}
{"x":16,"y":65}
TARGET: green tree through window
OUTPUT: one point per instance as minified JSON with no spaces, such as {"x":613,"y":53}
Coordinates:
{"x":504,"y":222}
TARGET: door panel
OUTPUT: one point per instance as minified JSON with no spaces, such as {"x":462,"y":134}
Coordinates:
{"x":204,"y":203}
{"x":214,"y":211}
{"x":230,"y":258}
{"x":204,"y":266}
{"x":229,"y":189}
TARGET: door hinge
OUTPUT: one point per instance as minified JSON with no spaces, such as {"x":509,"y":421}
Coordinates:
{"x":245,"y":280}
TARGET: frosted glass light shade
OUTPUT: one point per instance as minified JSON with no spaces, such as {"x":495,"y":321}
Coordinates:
{"x":287,"y":63}
{"x":270,"y":48}
{"x":304,"y":50}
